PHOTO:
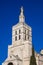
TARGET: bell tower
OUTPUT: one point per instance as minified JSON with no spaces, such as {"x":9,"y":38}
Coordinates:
{"x":20,"y":51}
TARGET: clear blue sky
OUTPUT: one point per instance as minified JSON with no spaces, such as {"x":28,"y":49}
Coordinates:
{"x":9,"y":14}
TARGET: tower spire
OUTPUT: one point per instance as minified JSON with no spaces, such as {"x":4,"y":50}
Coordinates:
{"x":21,"y":17}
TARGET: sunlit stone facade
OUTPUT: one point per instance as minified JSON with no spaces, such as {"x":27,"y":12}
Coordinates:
{"x":20,"y":51}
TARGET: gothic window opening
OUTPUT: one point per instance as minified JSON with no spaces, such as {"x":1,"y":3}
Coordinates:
{"x":10,"y":63}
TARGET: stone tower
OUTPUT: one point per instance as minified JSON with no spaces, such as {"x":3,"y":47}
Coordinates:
{"x":21,"y":49}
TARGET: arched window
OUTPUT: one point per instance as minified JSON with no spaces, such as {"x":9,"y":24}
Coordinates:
{"x":10,"y":63}
{"x":15,"y":32}
{"x":19,"y":37}
{"x":15,"y":38}
{"x":25,"y":37}
{"x":28,"y":36}
{"x":28,"y":32}
{"x":25,"y":31}
{"x":19,"y":31}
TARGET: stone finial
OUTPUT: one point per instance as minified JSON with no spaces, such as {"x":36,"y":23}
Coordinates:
{"x":21,"y":17}
{"x":22,"y":10}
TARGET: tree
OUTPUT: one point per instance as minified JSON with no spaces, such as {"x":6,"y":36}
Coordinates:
{"x":33,"y":59}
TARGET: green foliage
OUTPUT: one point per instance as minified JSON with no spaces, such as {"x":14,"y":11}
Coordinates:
{"x":33,"y":59}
